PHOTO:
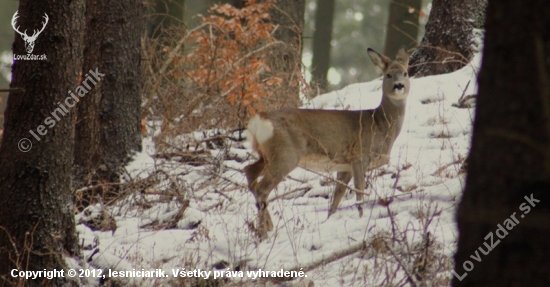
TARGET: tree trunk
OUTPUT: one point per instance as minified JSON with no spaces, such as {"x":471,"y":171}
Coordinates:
{"x":108,"y":125}
{"x":321,"y":43}
{"x":191,"y":11}
{"x":510,"y":155}
{"x":448,"y":44}
{"x":37,"y":210}
{"x":402,"y":29}
{"x":165,"y":13}
{"x":287,"y":59}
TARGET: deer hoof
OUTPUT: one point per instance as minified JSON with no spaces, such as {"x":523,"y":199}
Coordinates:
{"x":331,"y":212}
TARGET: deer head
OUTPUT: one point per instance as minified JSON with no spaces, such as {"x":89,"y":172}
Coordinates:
{"x":396,"y":79}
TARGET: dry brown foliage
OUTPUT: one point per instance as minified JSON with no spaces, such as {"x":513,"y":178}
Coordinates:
{"x":217,"y":75}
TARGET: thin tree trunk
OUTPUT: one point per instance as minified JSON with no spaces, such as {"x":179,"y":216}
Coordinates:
{"x":287,"y":59}
{"x":449,"y":43}
{"x":506,"y":204}
{"x":321,"y":43}
{"x":108,"y":126}
{"x":235,"y":3}
{"x":37,"y":228}
{"x":402,"y":29}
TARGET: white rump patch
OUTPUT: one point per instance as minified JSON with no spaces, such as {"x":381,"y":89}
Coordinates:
{"x":261,"y":129}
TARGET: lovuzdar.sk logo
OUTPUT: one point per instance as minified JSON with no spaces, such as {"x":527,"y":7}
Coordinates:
{"x":29,"y":40}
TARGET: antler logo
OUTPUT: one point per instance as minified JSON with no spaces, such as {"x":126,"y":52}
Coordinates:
{"x":29,"y":40}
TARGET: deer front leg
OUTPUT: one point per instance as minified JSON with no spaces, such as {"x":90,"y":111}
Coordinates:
{"x":339,"y":191}
{"x":359,"y":169}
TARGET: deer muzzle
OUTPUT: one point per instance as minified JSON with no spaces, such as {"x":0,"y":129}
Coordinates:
{"x":399,"y":88}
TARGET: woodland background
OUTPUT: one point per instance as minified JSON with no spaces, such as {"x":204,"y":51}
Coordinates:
{"x":170,"y":72}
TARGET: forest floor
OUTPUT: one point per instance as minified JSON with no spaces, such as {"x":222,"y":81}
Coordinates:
{"x":192,"y":209}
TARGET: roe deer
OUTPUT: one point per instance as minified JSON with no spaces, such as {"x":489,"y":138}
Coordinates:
{"x":349,"y":142}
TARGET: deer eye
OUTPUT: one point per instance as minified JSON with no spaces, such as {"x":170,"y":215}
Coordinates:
{"x":389,"y":76}
{"x":405,"y":74}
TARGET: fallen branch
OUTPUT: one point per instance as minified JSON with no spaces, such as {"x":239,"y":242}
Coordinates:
{"x":362,"y":246}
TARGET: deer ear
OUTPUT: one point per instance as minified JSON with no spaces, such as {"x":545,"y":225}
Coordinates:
{"x":403,"y":56}
{"x":378,"y":59}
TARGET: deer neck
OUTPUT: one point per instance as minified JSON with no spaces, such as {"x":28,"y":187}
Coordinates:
{"x":391,"y":112}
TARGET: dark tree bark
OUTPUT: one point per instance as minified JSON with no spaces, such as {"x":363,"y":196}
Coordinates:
{"x":402,"y":29}
{"x":37,"y":210}
{"x":108,"y":124}
{"x":235,"y":3}
{"x":287,"y":59}
{"x":510,"y":155}
{"x":321,"y":43}
{"x":448,"y":44}
{"x":165,"y":13}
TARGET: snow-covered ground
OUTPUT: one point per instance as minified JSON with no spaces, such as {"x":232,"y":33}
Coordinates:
{"x":415,"y":195}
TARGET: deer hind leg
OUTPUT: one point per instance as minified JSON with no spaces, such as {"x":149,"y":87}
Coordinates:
{"x":359,"y":169}
{"x":252,"y":172}
{"x":339,"y":191}
{"x":262,"y":188}
{"x":262,"y":178}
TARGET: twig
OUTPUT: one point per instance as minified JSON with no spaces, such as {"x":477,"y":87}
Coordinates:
{"x":221,"y":193}
{"x":211,"y":139}
{"x":160,"y":192}
{"x":174,"y":222}
{"x":212,"y":206}
{"x":170,"y":155}
{"x":287,"y":193}
{"x":228,"y":180}
{"x":439,"y":170}
{"x":12,"y":90}
{"x":464,"y":91}
{"x":171,"y":145}
{"x":412,"y":280}
{"x":297,"y":180}
{"x":404,"y":33}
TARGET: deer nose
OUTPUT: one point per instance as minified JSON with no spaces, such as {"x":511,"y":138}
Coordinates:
{"x":398,"y":86}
